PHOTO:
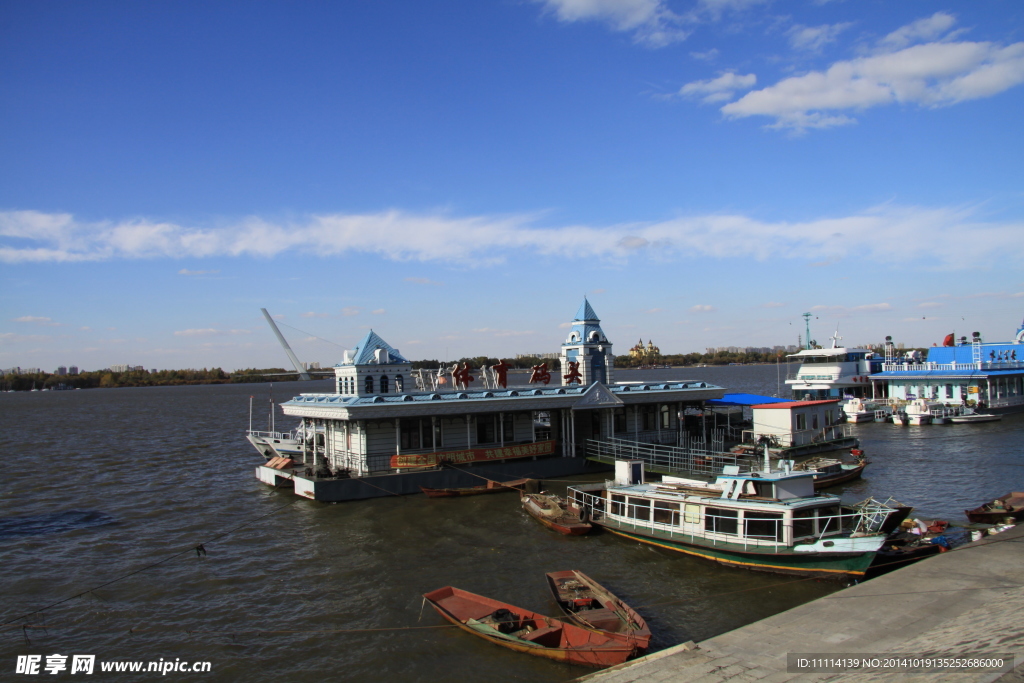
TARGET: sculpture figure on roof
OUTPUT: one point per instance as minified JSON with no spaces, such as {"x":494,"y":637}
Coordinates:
{"x":461,"y":376}
{"x":501,"y":372}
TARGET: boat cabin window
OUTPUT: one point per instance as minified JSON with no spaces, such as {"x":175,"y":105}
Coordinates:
{"x":801,"y":421}
{"x":721,"y":520}
{"x":803,"y":523}
{"x":639,"y":508}
{"x":666,"y":512}
{"x":691,"y":514}
{"x":767,"y":525}
{"x":764,"y":489}
{"x":618,"y":506}
{"x":828,"y":520}
{"x":369,"y":384}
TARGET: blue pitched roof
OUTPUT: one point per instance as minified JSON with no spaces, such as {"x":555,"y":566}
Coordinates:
{"x":371,"y":342}
{"x":586,"y":312}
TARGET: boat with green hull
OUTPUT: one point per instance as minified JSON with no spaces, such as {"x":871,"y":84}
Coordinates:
{"x":770,"y":521}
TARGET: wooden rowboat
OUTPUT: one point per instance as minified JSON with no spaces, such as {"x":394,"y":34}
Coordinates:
{"x":489,"y":487}
{"x":554,"y":513}
{"x":996,"y":512}
{"x":592,"y":606}
{"x":525,"y":631}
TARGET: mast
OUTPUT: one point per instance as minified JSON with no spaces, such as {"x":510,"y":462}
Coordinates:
{"x":303,"y":375}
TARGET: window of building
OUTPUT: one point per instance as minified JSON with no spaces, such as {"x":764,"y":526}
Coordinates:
{"x":485,"y":429}
{"x":665,"y":417}
{"x":721,"y":520}
{"x":369,"y":384}
{"x":814,"y":421}
{"x":801,"y":421}
{"x":410,"y":431}
{"x":647,"y":418}
{"x":949,"y":391}
{"x":399,"y":384}
{"x":383,"y":384}
{"x":620,"y":420}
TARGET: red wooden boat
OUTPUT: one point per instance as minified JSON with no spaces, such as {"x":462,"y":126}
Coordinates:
{"x":592,"y":606}
{"x":996,"y":512}
{"x":489,"y":487}
{"x":525,"y":631}
{"x":554,"y":513}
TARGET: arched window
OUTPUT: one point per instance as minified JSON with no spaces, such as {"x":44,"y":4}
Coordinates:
{"x":383,"y":384}
{"x":369,"y":384}
{"x":399,"y":384}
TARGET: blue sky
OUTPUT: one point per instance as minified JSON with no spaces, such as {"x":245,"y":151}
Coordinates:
{"x":458,"y":175}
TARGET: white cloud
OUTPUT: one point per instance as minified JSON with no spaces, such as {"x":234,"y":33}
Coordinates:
{"x":701,"y":308}
{"x":706,"y":56}
{"x":651,"y":22}
{"x":935,"y":74}
{"x":313,"y":314}
{"x":718,"y":89}
{"x":41,"y":320}
{"x":351,"y":310}
{"x":186,"y":271}
{"x":423,"y":281}
{"x":921,"y":30}
{"x":485,"y":241}
{"x":815,"y":37}
{"x":378,"y":311}
{"x":873,"y":307}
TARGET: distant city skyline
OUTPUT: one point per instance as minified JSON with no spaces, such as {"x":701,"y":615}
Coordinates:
{"x":457,"y":180}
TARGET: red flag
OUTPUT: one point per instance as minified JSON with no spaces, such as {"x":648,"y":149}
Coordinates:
{"x":948,"y":341}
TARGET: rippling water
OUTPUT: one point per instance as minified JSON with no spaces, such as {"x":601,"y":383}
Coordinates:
{"x":98,"y":484}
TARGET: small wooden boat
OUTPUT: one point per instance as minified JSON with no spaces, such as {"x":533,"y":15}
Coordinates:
{"x":592,"y":606}
{"x":554,"y":513}
{"x":833,"y":471}
{"x":996,"y":512}
{"x":525,"y":631}
{"x":489,"y":487}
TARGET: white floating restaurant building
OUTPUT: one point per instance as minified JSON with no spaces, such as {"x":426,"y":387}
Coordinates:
{"x":387,"y":429}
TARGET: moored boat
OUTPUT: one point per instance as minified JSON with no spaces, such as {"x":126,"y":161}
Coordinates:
{"x":767,"y":521}
{"x":525,"y":631}
{"x":971,"y":418}
{"x":555,"y":513}
{"x":490,"y":487}
{"x":592,"y":606}
{"x":833,"y":471}
{"x":996,"y":512}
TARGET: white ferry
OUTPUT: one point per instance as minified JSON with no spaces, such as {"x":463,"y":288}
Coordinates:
{"x":769,"y":520}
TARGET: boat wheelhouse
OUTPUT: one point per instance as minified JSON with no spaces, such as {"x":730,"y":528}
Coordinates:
{"x":768,"y":521}
{"x":385,"y":431}
{"x":977,"y":374}
{"x":835,"y":373}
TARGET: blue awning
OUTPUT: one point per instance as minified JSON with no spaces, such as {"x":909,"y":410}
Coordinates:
{"x":744,"y":400}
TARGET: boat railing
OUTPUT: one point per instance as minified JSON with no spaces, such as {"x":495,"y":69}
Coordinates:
{"x":271,"y":435}
{"x":757,"y":531}
{"x":688,"y":459}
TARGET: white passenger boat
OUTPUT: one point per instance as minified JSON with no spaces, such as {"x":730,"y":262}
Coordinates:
{"x":769,"y":521}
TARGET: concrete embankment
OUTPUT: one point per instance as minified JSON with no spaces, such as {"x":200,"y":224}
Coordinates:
{"x":964,"y":603}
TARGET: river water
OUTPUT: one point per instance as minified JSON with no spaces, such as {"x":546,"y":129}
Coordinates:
{"x":99,"y":484}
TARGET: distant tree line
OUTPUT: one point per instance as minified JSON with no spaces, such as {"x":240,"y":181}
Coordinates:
{"x":133,"y":378}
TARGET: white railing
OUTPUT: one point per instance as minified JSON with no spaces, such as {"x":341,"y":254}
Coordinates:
{"x":952,"y":367}
{"x":680,"y":460}
{"x":803,"y":437}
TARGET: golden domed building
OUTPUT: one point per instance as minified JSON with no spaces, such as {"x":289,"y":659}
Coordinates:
{"x":645,"y":354}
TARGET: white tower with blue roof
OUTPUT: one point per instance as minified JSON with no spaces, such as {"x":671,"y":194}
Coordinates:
{"x":588,"y":346}
{"x":373,"y":367}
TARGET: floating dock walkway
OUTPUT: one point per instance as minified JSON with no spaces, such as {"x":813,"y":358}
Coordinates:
{"x":964,"y":603}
